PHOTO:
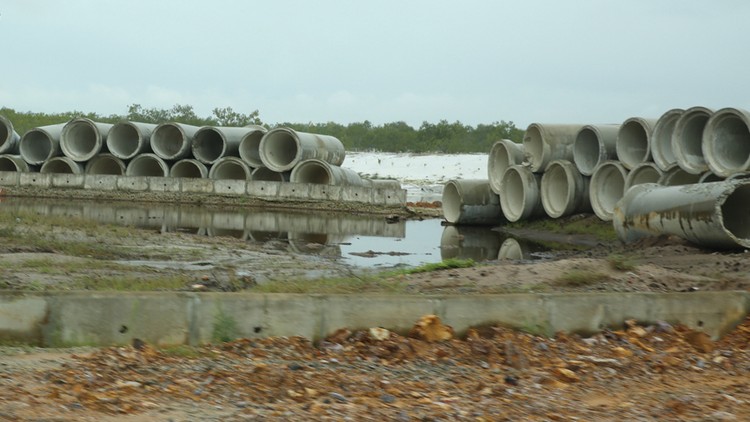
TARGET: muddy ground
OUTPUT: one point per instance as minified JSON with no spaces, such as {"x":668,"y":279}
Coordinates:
{"x":643,"y":373}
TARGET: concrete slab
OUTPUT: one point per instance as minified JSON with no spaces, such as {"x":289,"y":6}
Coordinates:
{"x":133,"y":183}
{"x":189,"y":185}
{"x":230,"y":187}
{"x":100,"y":182}
{"x":294,"y":191}
{"x":9,"y":178}
{"x":260,"y":189}
{"x":21,"y":318}
{"x":164,"y":184}
{"x":41,"y":180}
{"x":67,"y":180}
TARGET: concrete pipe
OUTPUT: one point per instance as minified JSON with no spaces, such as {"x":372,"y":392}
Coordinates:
{"x":674,"y":175}
{"x":64,"y":165}
{"x":520,"y":196}
{"x":544,"y":143}
{"x":643,"y":173}
{"x":513,"y":249}
{"x":726,"y":141}
{"x":173,"y":141}
{"x":8,"y":137}
{"x":564,"y":190}
{"x":281,"y":149}
{"x":230,"y":168}
{"x":15,"y":163}
{"x":708,"y":214}
{"x":125,"y":140}
{"x":81,"y":139}
{"x":661,"y":138}
{"x":211,"y":143}
{"x":709,"y":176}
{"x":249,"y":149}
{"x":322,"y":173}
{"x":466,"y":242}
{"x":264,"y":174}
{"x":147,"y":165}
{"x":40,"y":144}
{"x":189,"y":167}
{"x":471,"y":201}
{"x":503,"y":154}
{"x":593,"y":145}
{"x":634,"y":141}
{"x":687,"y":139}
{"x":606,"y":188}
{"x":106,"y":164}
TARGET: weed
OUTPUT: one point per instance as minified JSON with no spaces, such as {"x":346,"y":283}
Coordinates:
{"x":621,"y":263}
{"x":132,"y":283}
{"x":442,"y":265}
{"x":580,"y":278}
{"x":341,"y":285}
{"x":225,"y":328}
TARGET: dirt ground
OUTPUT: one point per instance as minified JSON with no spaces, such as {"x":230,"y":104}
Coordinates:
{"x":645,"y":373}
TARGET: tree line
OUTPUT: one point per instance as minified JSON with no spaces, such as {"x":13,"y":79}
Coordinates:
{"x":442,"y":136}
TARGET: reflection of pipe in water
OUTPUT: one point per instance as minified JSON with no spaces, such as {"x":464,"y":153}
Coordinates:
{"x":315,"y":244}
{"x":518,"y":249}
{"x":311,"y":223}
{"x":265,"y":236}
{"x":220,"y":232}
{"x":467,"y":242}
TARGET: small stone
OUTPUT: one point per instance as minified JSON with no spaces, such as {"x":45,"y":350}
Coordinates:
{"x":723,"y":416}
{"x":294,"y":366}
{"x":700,"y":341}
{"x":387,"y":398}
{"x":564,"y":374}
{"x":622,"y":352}
{"x":511,"y":380}
{"x":338,"y":397}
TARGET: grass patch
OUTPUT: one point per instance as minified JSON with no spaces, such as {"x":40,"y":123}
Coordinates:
{"x":133,"y":283}
{"x":580,"y":278}
{"x":442,"y":265}
{"x":579,"y":224}
{"x":182,"y":351}
{"x":342,"y":285}
{"x":55,"y":266}
{"x":621,"y":263}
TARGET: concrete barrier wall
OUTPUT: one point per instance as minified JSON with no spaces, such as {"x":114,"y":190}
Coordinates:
{"x":102,"y":318}
{"x":267,"y":190}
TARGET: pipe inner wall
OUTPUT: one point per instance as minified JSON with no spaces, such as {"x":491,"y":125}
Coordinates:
{"x":661,"y":139}
{"x":726,"y":142}
{"x":687,"y":140}
{"x":147,"y":165}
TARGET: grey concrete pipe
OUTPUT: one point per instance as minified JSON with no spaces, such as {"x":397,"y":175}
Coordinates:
{"x":265,"y":174}
{"x":173,"y":141}
{"x":661,"y":138}
{"x":125,"y":140}
{"x":40,"y":144}
{"x":9,"y":162}
{"x":735,"y":176}
{"x":647,"y":172}
{"x":249,"y":149}
{"x":81,"y":139}
{"x":64,"y":165}
{"x":707,"y":214}
{"x":189,"y":167}
{"x":281,"y":149}
{"x":544,"y":143}
{"x":147,"y":165}
{"x":503,"y":154}
{"x":687,"y":139}
{"x":594,"y":144}
{"x":520,"y":196}
{"x":726,"y":141}
{"x":8,"y":137}
{"x":564,"y":190}
{"x":211,"y":143}
{"x":467,"y":242}
{"x":674,"y":175}
{"x":709,"y":176}
{"x":634,"y":141}
{"x":606,"y":188}
{"x":106,"y":164}
{"x":322,"y":173}
{"x":230,"y":168}
{"x":471,"y":201}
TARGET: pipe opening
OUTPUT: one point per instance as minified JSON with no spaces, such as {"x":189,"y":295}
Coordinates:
{"x":249,"y":149}
{"x":188,"y":168}
{"x":607,"y":187}
{"x":167,"y":140}
{"x":632,"y":143}
{"x":691,"y":140}
{"x":735,"y":217}
{"x":147,"y":165}
{"x":731,"y":142}
{"x":556,"y":190}
{"x":59,"y":165}
{"x":123,"y":140}
{"x":229,"y":170}
{"x":451,"y":203}
{"x":514,"y":196}
{"x":208,"y":145}
{"x":267,"y":175}
{"x":80,"y":139}
{"x":104,"y":164}
{"x":36,"y":146}
{"x":586,"y":151}
{"x":534,"y":143}
{"x":8,"y":164}
{"x":643,"y":174}
{"x":280,"y":148}
{"x":313,"y":172}
{"x":5,"y":134}
{"x":661,"y":139}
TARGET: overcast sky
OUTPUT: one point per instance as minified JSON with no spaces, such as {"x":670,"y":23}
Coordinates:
{"x":525,"y":61}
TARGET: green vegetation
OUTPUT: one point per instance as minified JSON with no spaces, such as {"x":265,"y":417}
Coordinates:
{"x":442,"y":136}
{"x":588,"y":225}
{"x":225,"y":328}
{"x":580,"y":278}
{"x":442,"y":265}
{"x":132,"y":283}
{"x":344,"y":285}
{"x":621,"y":263}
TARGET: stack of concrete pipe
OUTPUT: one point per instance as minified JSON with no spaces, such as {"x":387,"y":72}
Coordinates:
{"x":565,"y":169}
{"x":179,"y":150}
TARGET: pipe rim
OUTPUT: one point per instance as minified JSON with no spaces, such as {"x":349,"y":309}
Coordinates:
{"x":280,"y":149}
{"x":147,"y":165}
{"x":633,"y":142}
{"x":675,"y":175}
{"x":204,"y":144}
{"x":607,"y":186}
{"x":451,"y":200}
{"x":61,"y":165}
{"x":80,"y":139}
{"x":229,"y":168}
{"x":313,"y":171}
{"x":687,"y":139}
{"x":647,"y":172}
{"x":500,"y":158}
{"x":661,"y":138}
{"x":249,"y":148}
{"x":558,"y":188}
{"x":163,"y":141}
{"x":725,"y":153}
{"x":31,"y":143}
{"x":93,"y":166}
{"x":183,"y":167}
{"x":264,"y":174}
{"x":9,"y":159}
{"x":520,"y":192}
{"x":119,"y":137}
{"x":534,"y":146}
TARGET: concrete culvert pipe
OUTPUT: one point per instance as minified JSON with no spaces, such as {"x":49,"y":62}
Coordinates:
{"x":15,"y":163}
{"x":674,"y":175}
{"x":319,"y":172}
{"x":520,"y":196}
{"x":40,"y":144}
{"x":606,"y":188}
{"x":249,"y":148}
{"x":8,"y":137}
{"x":106,"y":164}
{"x":281,"y":149}
{"x":643,"y":173}
{"x":564,"y":190}
{"x":189,"y":167}
{"x":467,"y":242}
{"x":544,"y":143}
{"x":709,"y":214}
{"x":471,"y":201}
{"x":173,"y":141}
{"x":687,"y":139}
{"x":64,"y":165}
{"x":264,"y":174}
{"x":726,"y":141}
{"x":661,"y":138}
{"x":125,"y":140}
{"x":211,"y":143}
{"x":634,"y":141}
{"x":81,"y":139}
{"x":503,"y":154}
{"x":147,"y":165}
{"x":230,"y":168}
{"x":593,"y":145}
{"x":709,"y":176}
